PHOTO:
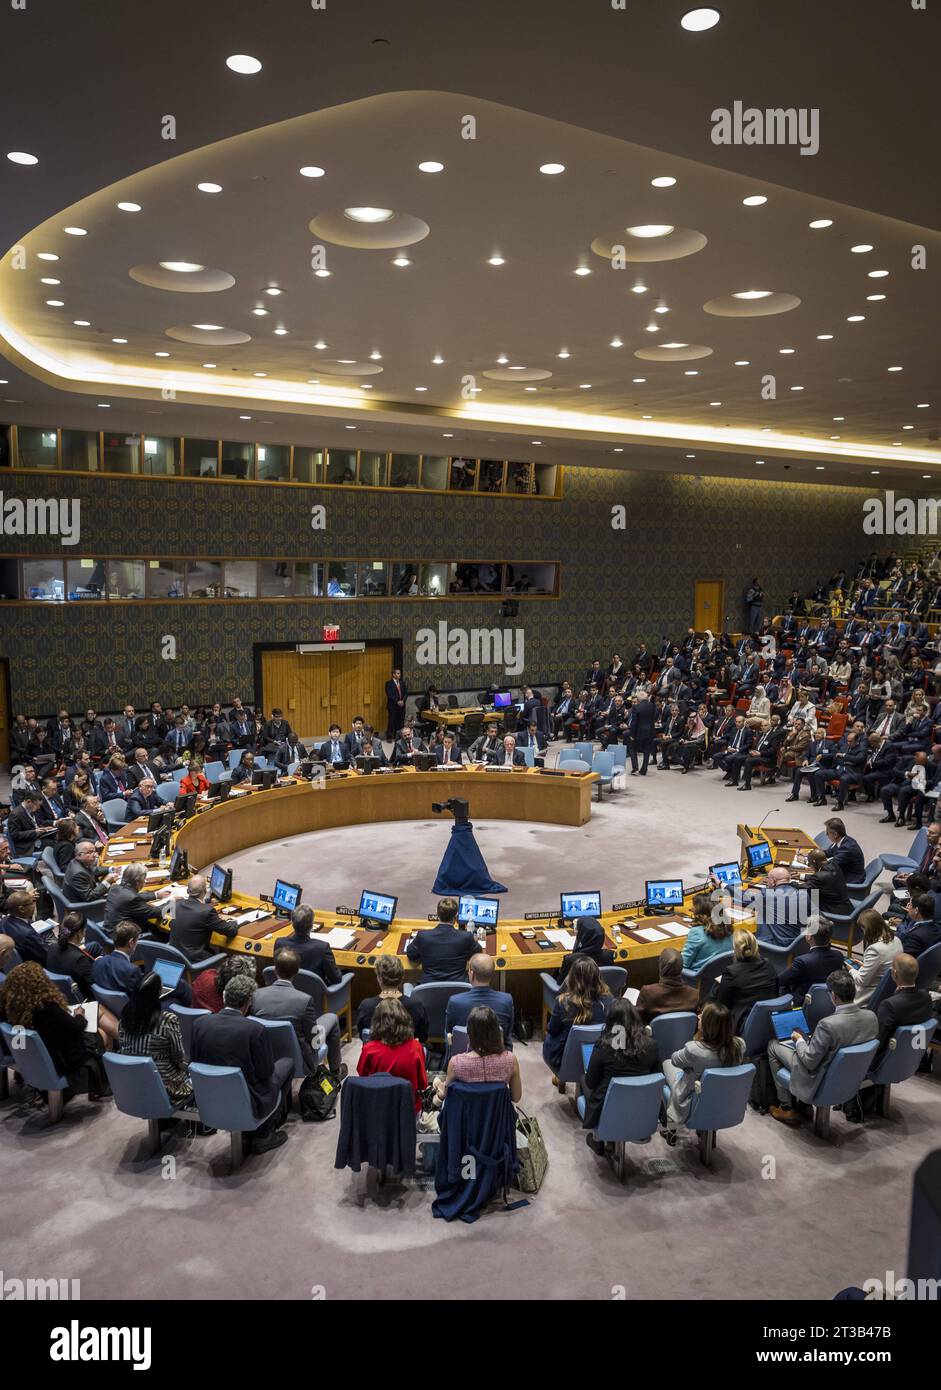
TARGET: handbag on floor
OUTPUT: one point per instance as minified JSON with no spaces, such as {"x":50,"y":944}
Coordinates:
{"x":318,"y":1095}
{"x":531,"y":1151}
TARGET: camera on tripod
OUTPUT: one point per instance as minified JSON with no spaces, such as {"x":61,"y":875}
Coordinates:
{"x":458,"y":808}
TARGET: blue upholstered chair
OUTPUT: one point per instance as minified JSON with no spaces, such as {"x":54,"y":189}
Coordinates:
{"x":138,"y":1090}
{"x":719,"y":1102}
{"x":907,"y":863}
{"x":31,"y":1059}
{"x":149,"y":951}
{"x":907,"y":1046}
{"x":818,"y":1004}
{"x":433,"y":998}
{"x":113,"y":999}
{"x":187,"y":1018}
{"x":224,"y":1102}
{"x":705,"y":977}
{"x":628,"y":1115}
{"x":841,"y":1080}
{"x":672,"y":1031}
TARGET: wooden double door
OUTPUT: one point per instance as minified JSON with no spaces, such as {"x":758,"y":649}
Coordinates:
{"x":317,"y":689}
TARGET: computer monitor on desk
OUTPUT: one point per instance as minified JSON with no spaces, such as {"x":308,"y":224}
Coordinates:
{"x":473,"y":912}
{"x":502,"y":699}
{"x":285,"y":897}
{"x":367,"y":764}
{"x":727,"y":875}
{"x":264,"y":777}
{"x":759,"y":856}
{"x":580,"y":905}
{"x":220,"y":883}
{"x":664,"y":894}
{"x":377,"y":907}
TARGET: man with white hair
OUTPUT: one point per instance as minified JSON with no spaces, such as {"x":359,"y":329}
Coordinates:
{"x":195,"y":920}
{"x":128,"y":902}
{"x":508,"y":755}
{"x":143,"y":799}
{"x":781,"y":908}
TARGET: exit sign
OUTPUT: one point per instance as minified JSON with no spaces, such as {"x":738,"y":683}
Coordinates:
{"x":331,"y":632}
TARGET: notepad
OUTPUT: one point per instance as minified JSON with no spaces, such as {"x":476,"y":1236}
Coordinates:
{"x":243,"y":918}
{"x":157,"y":873}
{"x":678,"y":929}
{"x":91,"y":1015}
{"x":651,"y":934}
{"x":561,"y":937}
{"x":632,"y":995}
{"x":339,"y":937}
{"x":121,"y":844}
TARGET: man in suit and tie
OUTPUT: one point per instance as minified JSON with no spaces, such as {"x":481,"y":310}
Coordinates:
{"x":143,"y":799}
{"x":487,"y":743}
{"x":396,"y":695}
{"x":805,"y":1060}
{"x":354,"y":740}
{"x":530,"y":736}
{"x":334,"y":752}
{"x":230,"y":1039}
{"x":442,"y":951}
{"x":313,"y":951}
{"x":17,"y":926}
{"x":814,"y":965}
{"x":923,"y":931}
{"x":508,"y":755}
{"x":51,"y":808}
{"x":178,"y":737}
{"x":738,"y":746}
{"x":480,"y":973}
{"x":86,"y":881}
{"x":667,"y":677}
{"x":102,"y":741}
{"x":141,"y":767}
{"x":195,"y":920}
{"x":640,"y":733}
{"x":283,"y":1000}
{"x":888,"y":722}
{"x":274,"y":732}
{"x":407,"y":744}
{"x":844,"y":850}
{"x":91,"y":823}
{"x":764,"y":753}
{"x":906,"y":1006}
{"x":24,"y":826}
{"x":448,"y":752}
{"x":129,"y":901}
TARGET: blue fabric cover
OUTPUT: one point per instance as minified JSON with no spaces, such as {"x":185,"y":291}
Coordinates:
{"x":462,"y":869}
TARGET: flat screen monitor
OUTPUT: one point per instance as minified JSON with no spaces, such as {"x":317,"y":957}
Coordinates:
{"x":367,"y":764}
{"x":169,"y":973}
{"x":185,"y":804}
{"x":156,"y":820}
{"x":220,"y":883}
{"x":759,"y":856}
{"x":377,"y":907}
{"x":727,"y":874}
{"x":580,"y":905}
{"x":424,"y":762}
{"x":502,"y":699}
{"x":664,"y":892}
{"x":179,"y":864}
{"x":482,"y":912}
{"x":286,"y":896}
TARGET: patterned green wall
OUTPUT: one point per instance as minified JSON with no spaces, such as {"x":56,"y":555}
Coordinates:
{"x":618,"y":586}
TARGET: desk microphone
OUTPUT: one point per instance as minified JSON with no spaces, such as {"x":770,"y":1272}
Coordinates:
{"x":773,"y":812}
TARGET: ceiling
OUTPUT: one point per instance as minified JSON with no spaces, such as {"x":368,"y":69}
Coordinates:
{"x":366,"y":94}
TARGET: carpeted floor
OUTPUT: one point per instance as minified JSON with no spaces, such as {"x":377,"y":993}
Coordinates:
{"x":79,"y":1201}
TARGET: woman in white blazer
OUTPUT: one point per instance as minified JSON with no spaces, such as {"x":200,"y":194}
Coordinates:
{"x":880,"y":946}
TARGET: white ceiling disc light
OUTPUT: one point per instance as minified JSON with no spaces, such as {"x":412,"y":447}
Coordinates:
{"x":552,"y":168}
{"x":243,"y":63}
{"x":209,"y":187}
{"x":182,"y":277}
{"x":46,"y":256}
{"x":22,"y":157}
{"x":820,"y":223}
{"x":369,"y":214}
{"x":369,"y":228}
{"x":663,"y":181}
{"x":312,"y":171}
{"x":650,"y":229}
{"x":697,"y":21}
{"x":431,"y":166}
{"x":749,"y":304}
{"x":752,"y":294}
{"x":517,"y":374}
{"x":76,"y":231}
{"x":182,"y":267}
{"x":206,"y":335}
{"x":754,"y":200}
{"x":129,"y":207}
{"x":649,"y":242}
{"x":673,"y":352}
{"x":861,"y":248}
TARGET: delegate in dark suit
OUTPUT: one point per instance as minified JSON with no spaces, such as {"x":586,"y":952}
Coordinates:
{"x":500,"y":757}
{"x":481,"y":996}
{"x":229,"y":1039}
{"x":193,"y":925}
{"x":282,"y":1001}
{"x":442,"y":952}
{"x":640,"y":733}
{"x":125,"y":904}
{"x":452,"y":755}
{"x":396,"y":694}
{"x":831,"y":888}
{"x":848,"y":854}
{"x":28,"y":942}
{"x":811,"y":968}
{"x":316,"y":956}
{"x":140,"y":805}
{"x":900,"y":1010}
{"x":82,"y":885}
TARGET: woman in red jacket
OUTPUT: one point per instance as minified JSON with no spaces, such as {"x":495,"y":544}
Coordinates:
{"x":393,"y":1049}
{"x":194,"y":781}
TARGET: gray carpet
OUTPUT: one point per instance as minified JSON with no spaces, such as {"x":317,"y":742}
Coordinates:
{"x":783,"y":1215}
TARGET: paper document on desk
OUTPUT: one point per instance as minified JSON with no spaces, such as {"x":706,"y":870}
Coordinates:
{"x":678,"y":929}
{"x":157,"y":873}
{"x":121,"y":844}
{"x":236,"y":793}
{"x":255,"y":915}
{"x":561,"y":937}
{"x":339,"y":938}
{"x":653,"y":934}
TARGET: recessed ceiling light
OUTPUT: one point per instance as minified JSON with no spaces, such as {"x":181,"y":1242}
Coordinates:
{"x":839,"y":418}
{"x":55,"y":303}
{"x":369,"y":214}
{"x":552,"y":168}
{"x":583,"y":270}
{"x":46,"y":256}
{"x":742,"y":362}
{"x":894,"y":369}
{"x":245,"y":417}
{"x":856,"y":318}
{"x":530,"y":388}
{"x":401,"y":261}
{"x":675,"y":345}
{"x":759,"y":461}
{"x":437,"y":359}
{"x":21,"y":157}
{"x":182,"y":267}
{"x":616,"y":343}
{"x":618,"y":451}
{"x":824,"y":337}
{"x":661,"y":309}
{"x":313,"y":381}
{"x":754,"y":201}
{"x":375,"y":355}
{"x":663,"y":181}
{"x":691,"y":373}
{"x":751,"y":294}
{"x":421,"y":388}
{"x":312,"y":171}
{"x":650,"y":229}
{"x":496,"y":260}
{"x":786,"y":351}
{"x":161,"y":354}
{"x":877,"y":274}
{"x":431,"y":166}
{"x":690,"y":456}
{"x":259,"y":373}
{"x":874,"y":298}
{"x":923,"y":405}
{"x":715,"y":402}
{"x":638,"y":380}
{"x":518,"y":369}
{"x":896,"y":443}
{"x":365,"y":385}
{"x":320,"y":345}
{"x":347,"y":361}
{"x":926,"y":475}
{"x":834,"y":436}
{"x":861,"y":249}
{"x":653,"y":328}
{"x":243,"y":63}
{"x":820,"y":467}
{"x":259,"y":311}
{"x":585,"y":386}
{"x":82,"y":323}
{"x":797,"y":388}
{"x":535,"y":441}
{"x":646,"y":417}
{"x":349,"y":427}
{"x":103,"y":405}
{"x":820,"y":223}
{"x":503,"y":359}
{"x":698,"y":20}
{"x":447,"y":436}
{"x":129,"y":207}
{"x":209,"y":365}
{"x":208,"y":327}
{"x":273,"y":290}
{"x":639,"y":289}
{"x":908,"y":427}
{"x":563,"y":354}
{"x":119,"y":340}
{"x":209,"y":187}
{"x":76,"y":231}
{"x":49,"y":280}
{"x":874,"y":472}
{"x":323,"y":274}
{"x":280,"y":332}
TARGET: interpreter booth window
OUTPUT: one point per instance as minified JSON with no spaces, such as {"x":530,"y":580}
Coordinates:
{"x":238,"y":460}
{"x":309,"y":578}
{"x":161,"y":457}
{"x":491,"y":475}
{"x":373,"y":469}
{"x":405,"y":581}
{"x":475,"y":579}
{"x":44,"y":580}
{"x":520,"y":478}
{"x":166,"y":578}
{"x":274,"y":463}
{"x":403,"y":470}
{"x":463,"y":475}
{"x":434,"y":581}
{"x":38,"y":448}
{"x":531,"y":579}
{"x":126,"y":578}
{"x":121,"y":453}
{"x":341,"y":465}
{"x":204,"y":578}
{"x":341,"y":579}
{"x":80,"y":450}
{"x":275,"y":579}
{"x":241,"y":579}
{"x":201,"y":458}
{"x":373,"y":579}
{"x":85,"y":579}
{"x":546,"y":479}
{"x":310,"y":465}
{"x":9,"y":579}
{"x":434,"y":473}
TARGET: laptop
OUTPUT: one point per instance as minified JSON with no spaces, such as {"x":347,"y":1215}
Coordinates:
{"x":169,"y":972}
{"x":786,"y":1021}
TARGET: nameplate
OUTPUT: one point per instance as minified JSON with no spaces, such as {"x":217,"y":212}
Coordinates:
{"x":345,"y":911}
{"x":539,"y":916}
{"x":432,"y":917}
{"x":627,"y":907}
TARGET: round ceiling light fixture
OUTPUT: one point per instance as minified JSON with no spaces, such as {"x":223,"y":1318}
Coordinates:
{"x":650,"y":229}
{"x":663,"y":181}
{"x":754,"y":200}
{"x":129,"y":207}
{"x":312,"y":171}
{"x":243,"y":63}
{"x":431,"y":166}
{"x":698,"y":21}
{"x":552,"y":168}
{"x":21,"y":157}
{"x":209,"y":187}
{"x":369,"y":214}
{"x":367,"y":228}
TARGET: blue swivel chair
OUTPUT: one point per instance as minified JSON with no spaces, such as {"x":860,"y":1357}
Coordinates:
{"x":842,"y":1079}
{"x":628,"y":1115}
{"x":224,"y":1102}
{"x":719,"y":1102}
{"x":138,"y":1090}
{"x":907,"y":1046}
{"x":31,"y":1059}
{"x":672,"y":1031}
